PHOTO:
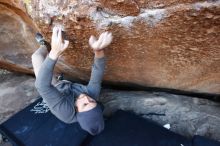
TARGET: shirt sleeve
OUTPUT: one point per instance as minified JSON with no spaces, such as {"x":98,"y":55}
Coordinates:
{"x":59,"y":105}
{"x":94,"y":85}
{"x":97,"y":70}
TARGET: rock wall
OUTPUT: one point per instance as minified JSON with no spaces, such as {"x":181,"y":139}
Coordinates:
{"x":168,"y":44}
{"x":16,"y":37}
{"x":17,"y":92}
{"x":186,"y":116}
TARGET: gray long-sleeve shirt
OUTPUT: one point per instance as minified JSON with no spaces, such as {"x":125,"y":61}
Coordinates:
{"x":60,"y":98}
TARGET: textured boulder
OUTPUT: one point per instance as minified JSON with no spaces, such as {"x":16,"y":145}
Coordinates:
{"x":16,"y":37}
{"x":17,"y":91}
{"x":167,"y":44}
{"x":186,"y":115}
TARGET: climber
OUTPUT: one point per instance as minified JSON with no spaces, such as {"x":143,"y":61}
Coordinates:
{"x":71,"y":102}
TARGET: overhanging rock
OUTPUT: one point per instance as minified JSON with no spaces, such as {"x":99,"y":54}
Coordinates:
{"x":159,"y":44}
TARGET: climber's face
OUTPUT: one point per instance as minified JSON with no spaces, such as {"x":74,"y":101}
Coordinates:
{"x":85,"y":103}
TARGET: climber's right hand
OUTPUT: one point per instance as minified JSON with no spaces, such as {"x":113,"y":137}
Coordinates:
{"x":104,"y":40}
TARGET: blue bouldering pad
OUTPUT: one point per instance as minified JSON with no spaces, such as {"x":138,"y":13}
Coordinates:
{"x":36,"y":126}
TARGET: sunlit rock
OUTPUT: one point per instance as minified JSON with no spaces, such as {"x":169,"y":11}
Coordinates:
{"x":166,"y":44}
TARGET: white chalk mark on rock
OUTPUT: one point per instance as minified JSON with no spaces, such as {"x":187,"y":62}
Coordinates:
{"x":103,"y":19}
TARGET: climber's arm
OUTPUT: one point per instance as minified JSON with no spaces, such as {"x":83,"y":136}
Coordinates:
{"x":98,"y":46}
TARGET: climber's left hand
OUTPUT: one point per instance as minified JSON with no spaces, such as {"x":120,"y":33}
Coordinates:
{"x":58,"y":46}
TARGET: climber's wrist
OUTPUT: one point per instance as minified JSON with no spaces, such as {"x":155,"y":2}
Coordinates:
{"x":99,"y":54}
{"x":53,"y":56}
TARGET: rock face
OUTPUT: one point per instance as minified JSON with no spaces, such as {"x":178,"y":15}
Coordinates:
{"x":17,"y":91}
{"x":167,"y":44}
{"x":16,"y":39}
{"x":186,"y":115}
